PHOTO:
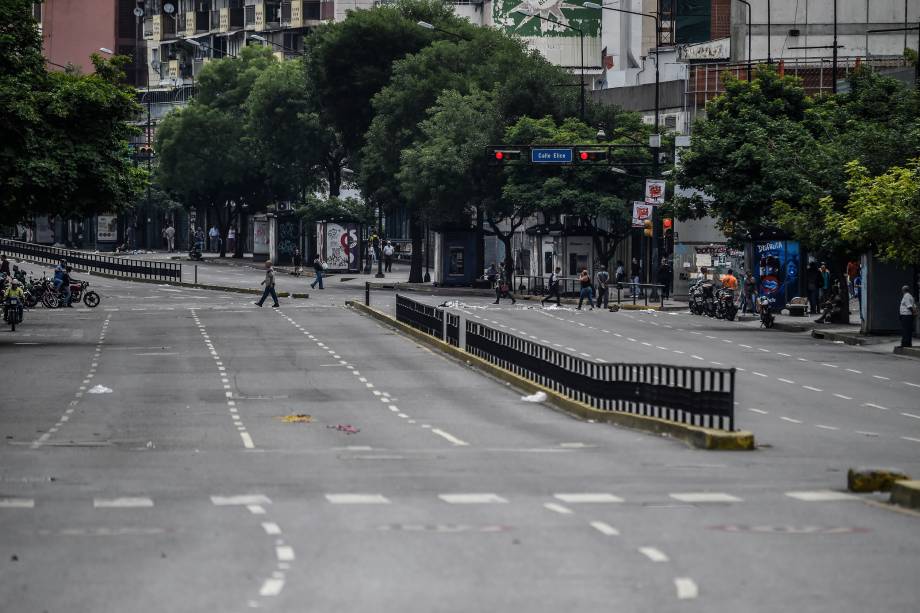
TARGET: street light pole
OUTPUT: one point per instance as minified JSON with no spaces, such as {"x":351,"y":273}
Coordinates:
{"x":748,"y":4}
{"x":581,"y":36}
{"x":834,"y":68}
{"x":769,"y":56}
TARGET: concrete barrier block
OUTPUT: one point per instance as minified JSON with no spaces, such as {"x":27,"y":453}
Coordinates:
{"x":906,"y":494}
{"x":874,"y":479}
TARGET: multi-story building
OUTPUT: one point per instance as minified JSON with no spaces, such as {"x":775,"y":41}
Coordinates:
{"x":72,"y":30}
{"x":183,"y":35}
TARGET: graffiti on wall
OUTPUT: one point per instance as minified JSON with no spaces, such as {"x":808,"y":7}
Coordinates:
{"x":342,"y":246}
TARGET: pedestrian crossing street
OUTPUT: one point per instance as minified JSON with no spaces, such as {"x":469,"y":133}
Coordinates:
{"x":256,"y":502}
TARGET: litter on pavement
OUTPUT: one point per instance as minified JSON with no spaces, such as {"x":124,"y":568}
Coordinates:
{"x":346,"y":428}
{"x":298,"y":418}
{"x":535,"y":397}
{"x":100,"y":389}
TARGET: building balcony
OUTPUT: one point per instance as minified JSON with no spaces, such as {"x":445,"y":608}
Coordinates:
{"x":194,"y":22}
{"x":161,"y":27}
{"x":231,"y":19}
{"x":309,"y":12}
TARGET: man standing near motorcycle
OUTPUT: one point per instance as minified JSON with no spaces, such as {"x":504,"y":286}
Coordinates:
{"x":729,"y":280}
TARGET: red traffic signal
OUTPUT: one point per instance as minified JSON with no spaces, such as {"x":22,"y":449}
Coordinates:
{"x":591,"y":155}
{"x":667,"y":223}
{"x":506,"y":155}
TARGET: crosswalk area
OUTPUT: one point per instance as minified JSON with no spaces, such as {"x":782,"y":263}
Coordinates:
{"x":551,"y":501}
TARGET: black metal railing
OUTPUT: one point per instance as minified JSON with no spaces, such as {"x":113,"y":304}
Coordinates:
{"x":697,"y":396}
{"x":423,"y":317}
{"x":119,"y":266}
{"x":570,"y":287}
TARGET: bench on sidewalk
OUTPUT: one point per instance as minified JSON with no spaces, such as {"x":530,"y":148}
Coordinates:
{"x":798,"y":307}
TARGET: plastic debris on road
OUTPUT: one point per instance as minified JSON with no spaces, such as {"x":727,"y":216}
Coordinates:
{"x":100,"y":389}
{"x":535,"y":397}
{"x":346,"y":428}
{"x":298,"y":418}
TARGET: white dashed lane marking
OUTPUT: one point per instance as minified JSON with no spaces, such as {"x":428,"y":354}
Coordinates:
{"x":605,"y":529}
{"x":653,"y":554}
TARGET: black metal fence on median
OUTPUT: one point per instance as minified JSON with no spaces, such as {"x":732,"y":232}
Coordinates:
{"x":122,"y":267}
{"x":686,"y":394}
{"x":569,"y":287}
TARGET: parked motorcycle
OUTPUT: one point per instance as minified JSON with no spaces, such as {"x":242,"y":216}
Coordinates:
{"x":702,"y":298}
{"x":725,"y":304}
{"x":78,"y":292}
{"x":767,"y":318}
{"x":195,"y":253}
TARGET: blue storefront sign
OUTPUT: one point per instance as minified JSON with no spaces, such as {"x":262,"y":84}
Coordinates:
{"x":556,"y":155}
{"x":777,"y":271}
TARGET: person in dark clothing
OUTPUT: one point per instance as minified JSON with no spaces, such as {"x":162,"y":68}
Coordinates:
{"x":318,"y":268}
{"x":269,"y":283}
{"x":635,"y":273}
{"x":665,"y":276}
{"x":553,"y":287}
{"x":586,"y":291}
{"x":907,"y":312}
{"x":602,"y":281}
{"x":4,"y":265}
{"x":812,"y":284}
{"x":298,"y":261}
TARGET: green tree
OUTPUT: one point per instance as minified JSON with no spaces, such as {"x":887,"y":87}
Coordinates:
{"x":774,"y":161}
{"x":207,"y":156}
{"x":348,"y":62}
{"x":883,"y":212}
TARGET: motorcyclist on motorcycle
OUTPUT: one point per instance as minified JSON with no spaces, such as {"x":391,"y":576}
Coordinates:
{"x":14,"y":292}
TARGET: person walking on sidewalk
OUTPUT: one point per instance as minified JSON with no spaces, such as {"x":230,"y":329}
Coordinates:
{"x":214,"y":236}
{"x":318,"y":268}
{"x":298,"y":261}
{"x":269,"y":283}
{"x":665,"y":276}
{"x":635,"y":272}
{"x":602,"y":280}
{"x":748,"y":293}
{"x":907,"y":313}
{"x":553,"y":287}
{"x":388,"y":252}
{"x":170,"y":234}
{"x":824,"y":277}
{"x":586,"y":290}
{"x":812,"y":284}
{"x":503,"y":290}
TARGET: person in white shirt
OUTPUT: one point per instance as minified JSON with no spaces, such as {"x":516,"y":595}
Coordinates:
{"x":907,"y":312}
{"x":388,"y":252}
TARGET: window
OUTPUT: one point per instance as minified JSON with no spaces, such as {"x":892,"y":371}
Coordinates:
{"x":670,"y":122}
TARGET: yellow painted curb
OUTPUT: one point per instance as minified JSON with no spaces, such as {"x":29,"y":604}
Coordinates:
{"x":906,"y":494}
{"x":873,"y":479}
{"x":703,"y":438}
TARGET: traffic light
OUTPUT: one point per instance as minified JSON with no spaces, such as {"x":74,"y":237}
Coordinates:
{"x":591,"y":155}
{"x":503,"y":156}
{"x":648,"y":228}
{"x":667,"y":223}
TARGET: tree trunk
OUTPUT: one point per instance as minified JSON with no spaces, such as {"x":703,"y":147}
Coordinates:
{"x":415,"y":233}
{"x":241,"y":232}
{"x":509,"y":256}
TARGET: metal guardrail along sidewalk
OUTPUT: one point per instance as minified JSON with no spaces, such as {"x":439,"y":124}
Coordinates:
{"x":692,"y":395}
{"x":122,"y":267}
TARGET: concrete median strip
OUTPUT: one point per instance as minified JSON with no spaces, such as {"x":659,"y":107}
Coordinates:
{"x":703,"y":438}
{"x":906,"y":494}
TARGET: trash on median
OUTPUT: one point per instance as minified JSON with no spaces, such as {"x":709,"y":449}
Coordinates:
{"x":535,"y":397}
{"x":346,"y":428}
{"x":100,"y":389}
{"x":298,"y":418}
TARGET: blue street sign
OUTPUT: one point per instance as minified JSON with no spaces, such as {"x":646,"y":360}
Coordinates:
{"x":551,"y":156}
